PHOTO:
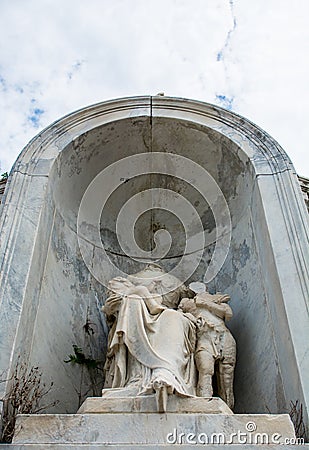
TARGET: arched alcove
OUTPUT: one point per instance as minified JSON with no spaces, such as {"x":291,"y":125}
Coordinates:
{"x":49,"y":294}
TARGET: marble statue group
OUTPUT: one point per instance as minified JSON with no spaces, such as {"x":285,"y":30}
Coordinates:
{"x":166,"y":338}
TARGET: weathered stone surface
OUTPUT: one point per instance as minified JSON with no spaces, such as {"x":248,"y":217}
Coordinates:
{"x":147,"y":404}
{"x":152,"y":428}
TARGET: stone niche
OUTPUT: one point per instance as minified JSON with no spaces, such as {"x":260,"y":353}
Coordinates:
{"x":49,"y":297}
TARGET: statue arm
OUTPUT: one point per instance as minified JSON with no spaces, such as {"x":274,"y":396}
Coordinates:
{"x":153,"y":301}
{"x":228,"y":312}
{"x":154,"y":304}
{"x":140,"y":291}
{"x":221,"y":310}
{"x":112,"y":305}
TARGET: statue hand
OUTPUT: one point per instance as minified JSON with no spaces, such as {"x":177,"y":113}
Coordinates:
{"x":156,"y":309}
{"x":141,"y":291}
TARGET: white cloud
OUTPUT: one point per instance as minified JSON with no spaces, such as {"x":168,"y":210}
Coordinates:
{"x":58,"y":56}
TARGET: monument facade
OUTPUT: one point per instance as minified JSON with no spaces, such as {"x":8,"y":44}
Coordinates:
{"x":200,"y":191}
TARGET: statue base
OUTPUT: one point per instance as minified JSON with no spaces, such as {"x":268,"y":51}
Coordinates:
{"x":110,"y":402}
{"x":129,"y":423}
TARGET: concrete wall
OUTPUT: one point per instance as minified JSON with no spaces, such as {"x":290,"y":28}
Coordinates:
{"x":49,"y":295}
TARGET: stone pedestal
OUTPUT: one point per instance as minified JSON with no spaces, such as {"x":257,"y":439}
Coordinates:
{"x":134,"y":423}
{"x":147,"y":404}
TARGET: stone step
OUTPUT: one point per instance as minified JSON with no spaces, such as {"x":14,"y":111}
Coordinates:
{"x":153,"y":429}
{"x":148,"y":447}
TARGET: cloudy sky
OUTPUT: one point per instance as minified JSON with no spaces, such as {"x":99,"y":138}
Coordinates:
{"x":250,"y":56}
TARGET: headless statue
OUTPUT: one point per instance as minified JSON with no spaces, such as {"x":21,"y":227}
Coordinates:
{"x":151,"y":343}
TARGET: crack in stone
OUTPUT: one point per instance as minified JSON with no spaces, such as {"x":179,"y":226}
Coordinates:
{"x":31,"y":174}
{"x":288,"y":169}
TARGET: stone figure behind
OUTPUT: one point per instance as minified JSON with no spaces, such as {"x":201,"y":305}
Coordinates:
{"x":215,"y":351}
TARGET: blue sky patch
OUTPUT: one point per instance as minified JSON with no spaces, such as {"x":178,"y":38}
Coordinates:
{"x":19,"y":89}
{"x":74,"y":68}
{"x":225,"y":102}
{"x":34,"y":116}
{"x":3,"y":83}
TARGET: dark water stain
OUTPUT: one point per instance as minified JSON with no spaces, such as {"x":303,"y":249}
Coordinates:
{"x":230,"y":168}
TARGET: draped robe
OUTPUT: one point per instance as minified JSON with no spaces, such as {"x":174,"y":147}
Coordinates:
{"x":146,"y":348}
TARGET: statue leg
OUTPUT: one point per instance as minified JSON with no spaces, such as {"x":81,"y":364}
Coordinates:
{"x":205,"y":365}
{"x":226,"y":368}
{"x":225,"y":378}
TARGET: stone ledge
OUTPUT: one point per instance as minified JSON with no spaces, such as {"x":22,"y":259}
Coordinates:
{"x":147,"y":404}
{"x":152,"y":429}
{"x":148,"y":447}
